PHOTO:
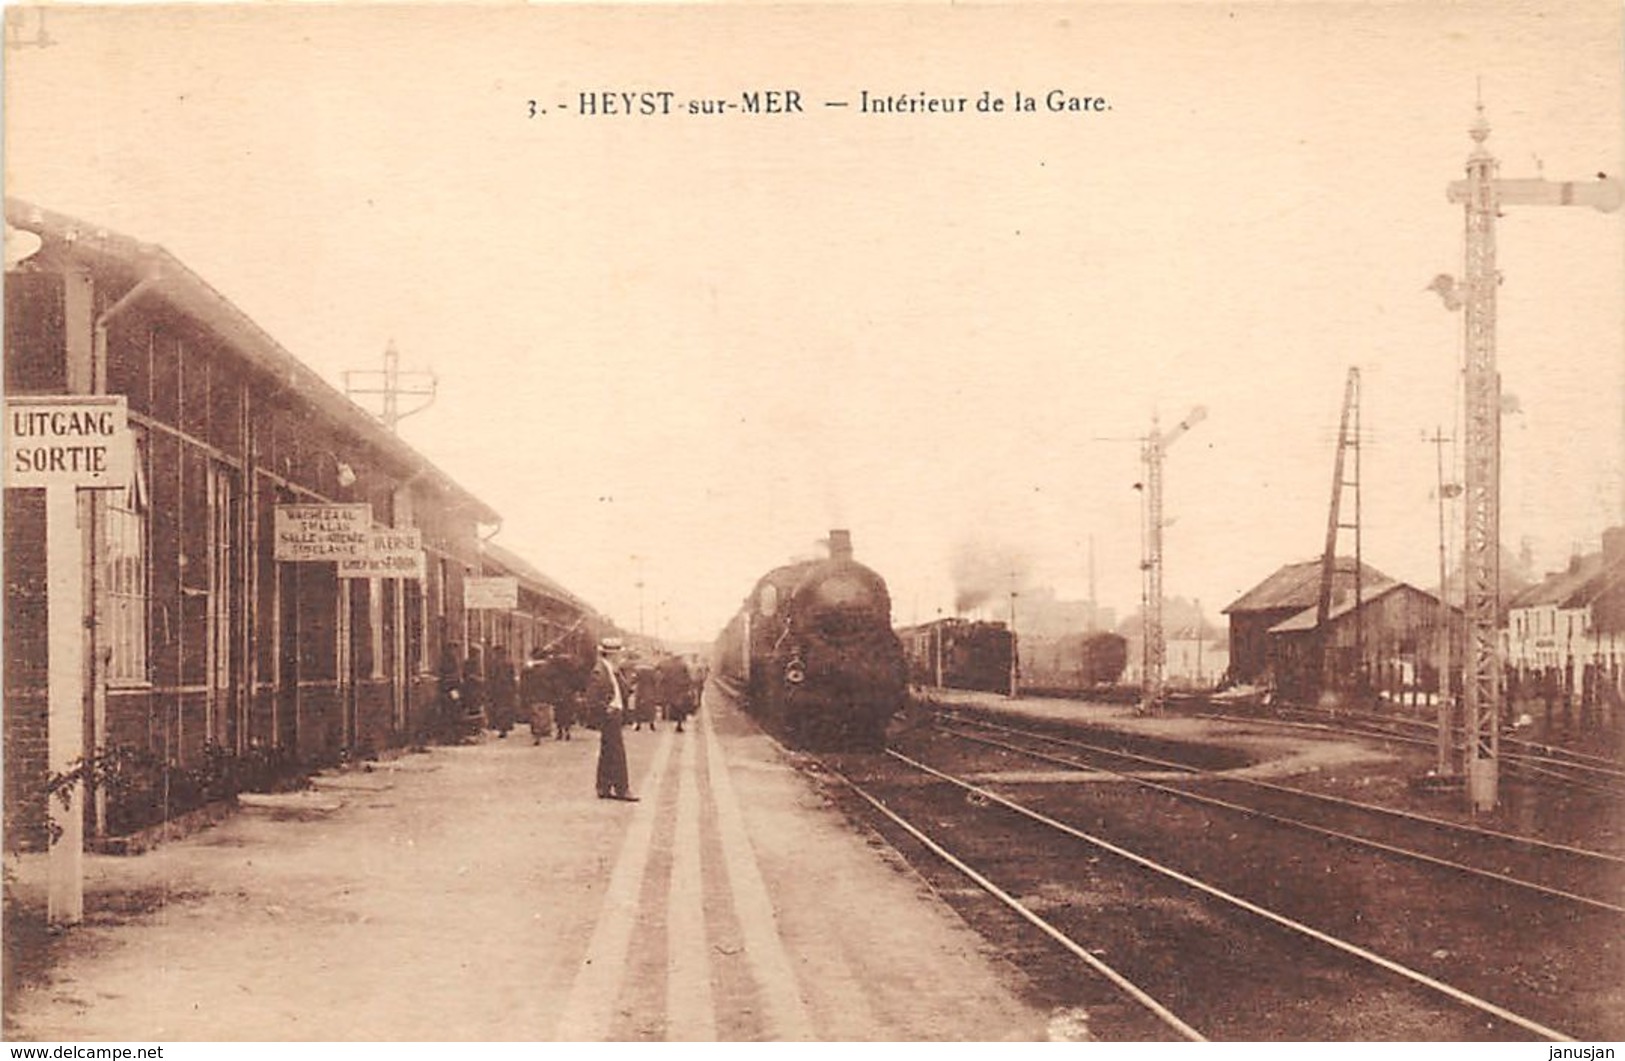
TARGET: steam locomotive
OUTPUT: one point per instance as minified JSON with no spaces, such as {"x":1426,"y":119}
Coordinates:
{"x":814,"y":651}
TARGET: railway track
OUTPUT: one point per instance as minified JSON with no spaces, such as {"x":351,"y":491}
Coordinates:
{"x":1192,"y":957}
{"x":1429,"y":724}
{"x":1587,"y":878}
{"x":1537,"y":762}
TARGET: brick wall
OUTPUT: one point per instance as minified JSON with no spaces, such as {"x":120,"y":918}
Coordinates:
{"x":26,"y":668}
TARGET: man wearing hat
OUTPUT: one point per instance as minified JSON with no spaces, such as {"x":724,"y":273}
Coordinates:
{"x":607,"y":693}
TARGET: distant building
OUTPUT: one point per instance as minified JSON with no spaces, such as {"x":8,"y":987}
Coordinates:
{"x":1567,"y":632}
{"x":1196,"y":651}
{"x":1283,"y":595}
{"x":1040,"y":616}
{"x":1196,"y":662}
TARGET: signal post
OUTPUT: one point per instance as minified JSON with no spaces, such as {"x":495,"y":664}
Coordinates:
{"x":1483,"y":194}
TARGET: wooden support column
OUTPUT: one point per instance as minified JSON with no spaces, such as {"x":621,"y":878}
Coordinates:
{"x":65,"y":605}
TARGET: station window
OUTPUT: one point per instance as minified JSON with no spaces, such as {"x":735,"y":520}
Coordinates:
{"x":124,"y":573}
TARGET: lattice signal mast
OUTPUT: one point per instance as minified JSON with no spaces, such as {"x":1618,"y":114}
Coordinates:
{"x":1483,"y":194}
{"x":1153,"y":448}
{"x":391,"y":387}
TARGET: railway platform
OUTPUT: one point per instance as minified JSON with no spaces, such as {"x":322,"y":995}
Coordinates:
{"x":484,"y":893}
{"x":1260,"y":753}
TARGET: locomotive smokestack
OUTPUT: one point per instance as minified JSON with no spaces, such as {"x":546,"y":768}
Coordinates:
{"x":840,"y":545}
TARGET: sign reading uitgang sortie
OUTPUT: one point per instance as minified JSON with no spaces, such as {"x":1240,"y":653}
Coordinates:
{"x":323,"y":532}
{"x":78,"y":440}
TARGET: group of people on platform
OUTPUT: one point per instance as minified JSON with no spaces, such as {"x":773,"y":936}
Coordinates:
{"x":554,"y":692}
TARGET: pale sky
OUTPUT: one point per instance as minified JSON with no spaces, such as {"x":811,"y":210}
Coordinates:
{"x":682,"y":348}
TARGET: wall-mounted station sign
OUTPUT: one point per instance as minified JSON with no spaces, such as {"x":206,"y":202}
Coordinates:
{"x":501,"y":593}
{"x":391,"y":553}
{"x":307,"y":533}
{"x":80,"y":440}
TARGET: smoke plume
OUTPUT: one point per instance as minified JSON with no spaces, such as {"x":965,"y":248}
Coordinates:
{"x":983,"y":570}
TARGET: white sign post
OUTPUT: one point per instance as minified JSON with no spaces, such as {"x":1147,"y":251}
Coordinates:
{"x":497,"y":593}
{"x":66,"y":443}
{"x":65,"y":724}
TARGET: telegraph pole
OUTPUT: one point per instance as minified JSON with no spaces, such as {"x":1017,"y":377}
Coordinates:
{"x":1483,"y":194}
{"x":1445,"y":766}
{"x":937,"y":650}
{"x":16,"y":35}
{"x":1015,"y":667}
{"x":638,"y":584}
{"x":392,"y":383}
{"x":1347,"y":440}
{"x":1153,"y":448}
{"x":1094,"y":601}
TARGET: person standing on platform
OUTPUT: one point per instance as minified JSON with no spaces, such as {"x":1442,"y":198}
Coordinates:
{"x":645,"y":695}
{"x":570,"y":678}
{"x":675,"y":689}
{"x":475,"y":713}
{"x":698,"y":672}
{"x":536,"y":695}
{"x":447,"y":726}
{"x":504,"y":695}
{"x":607,"y":693}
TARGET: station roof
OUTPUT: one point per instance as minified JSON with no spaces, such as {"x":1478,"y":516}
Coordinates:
{"x":526,"y":573}
{"x":1369,"y":592}
{"x":190,"y":294}
{"x":1298,"y":586}
{"x":1586,"y":579}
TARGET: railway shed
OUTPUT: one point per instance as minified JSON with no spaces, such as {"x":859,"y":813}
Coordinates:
{"x":1390,"y":642}
{"x":1279,"y":597}
{"x":205,"y":644}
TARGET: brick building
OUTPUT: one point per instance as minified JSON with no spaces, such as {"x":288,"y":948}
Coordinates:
{"x":199,"y":641}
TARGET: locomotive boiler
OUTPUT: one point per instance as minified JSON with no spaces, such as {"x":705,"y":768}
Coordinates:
{"x":814,"y":652}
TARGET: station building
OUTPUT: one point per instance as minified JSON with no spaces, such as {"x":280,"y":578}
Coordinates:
{"x":198,"y":640}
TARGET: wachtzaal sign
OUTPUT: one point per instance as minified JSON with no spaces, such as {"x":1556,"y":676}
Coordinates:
{"x":321,"y":532}
{"x":344,"y":534}
{"x":72,"y":440}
